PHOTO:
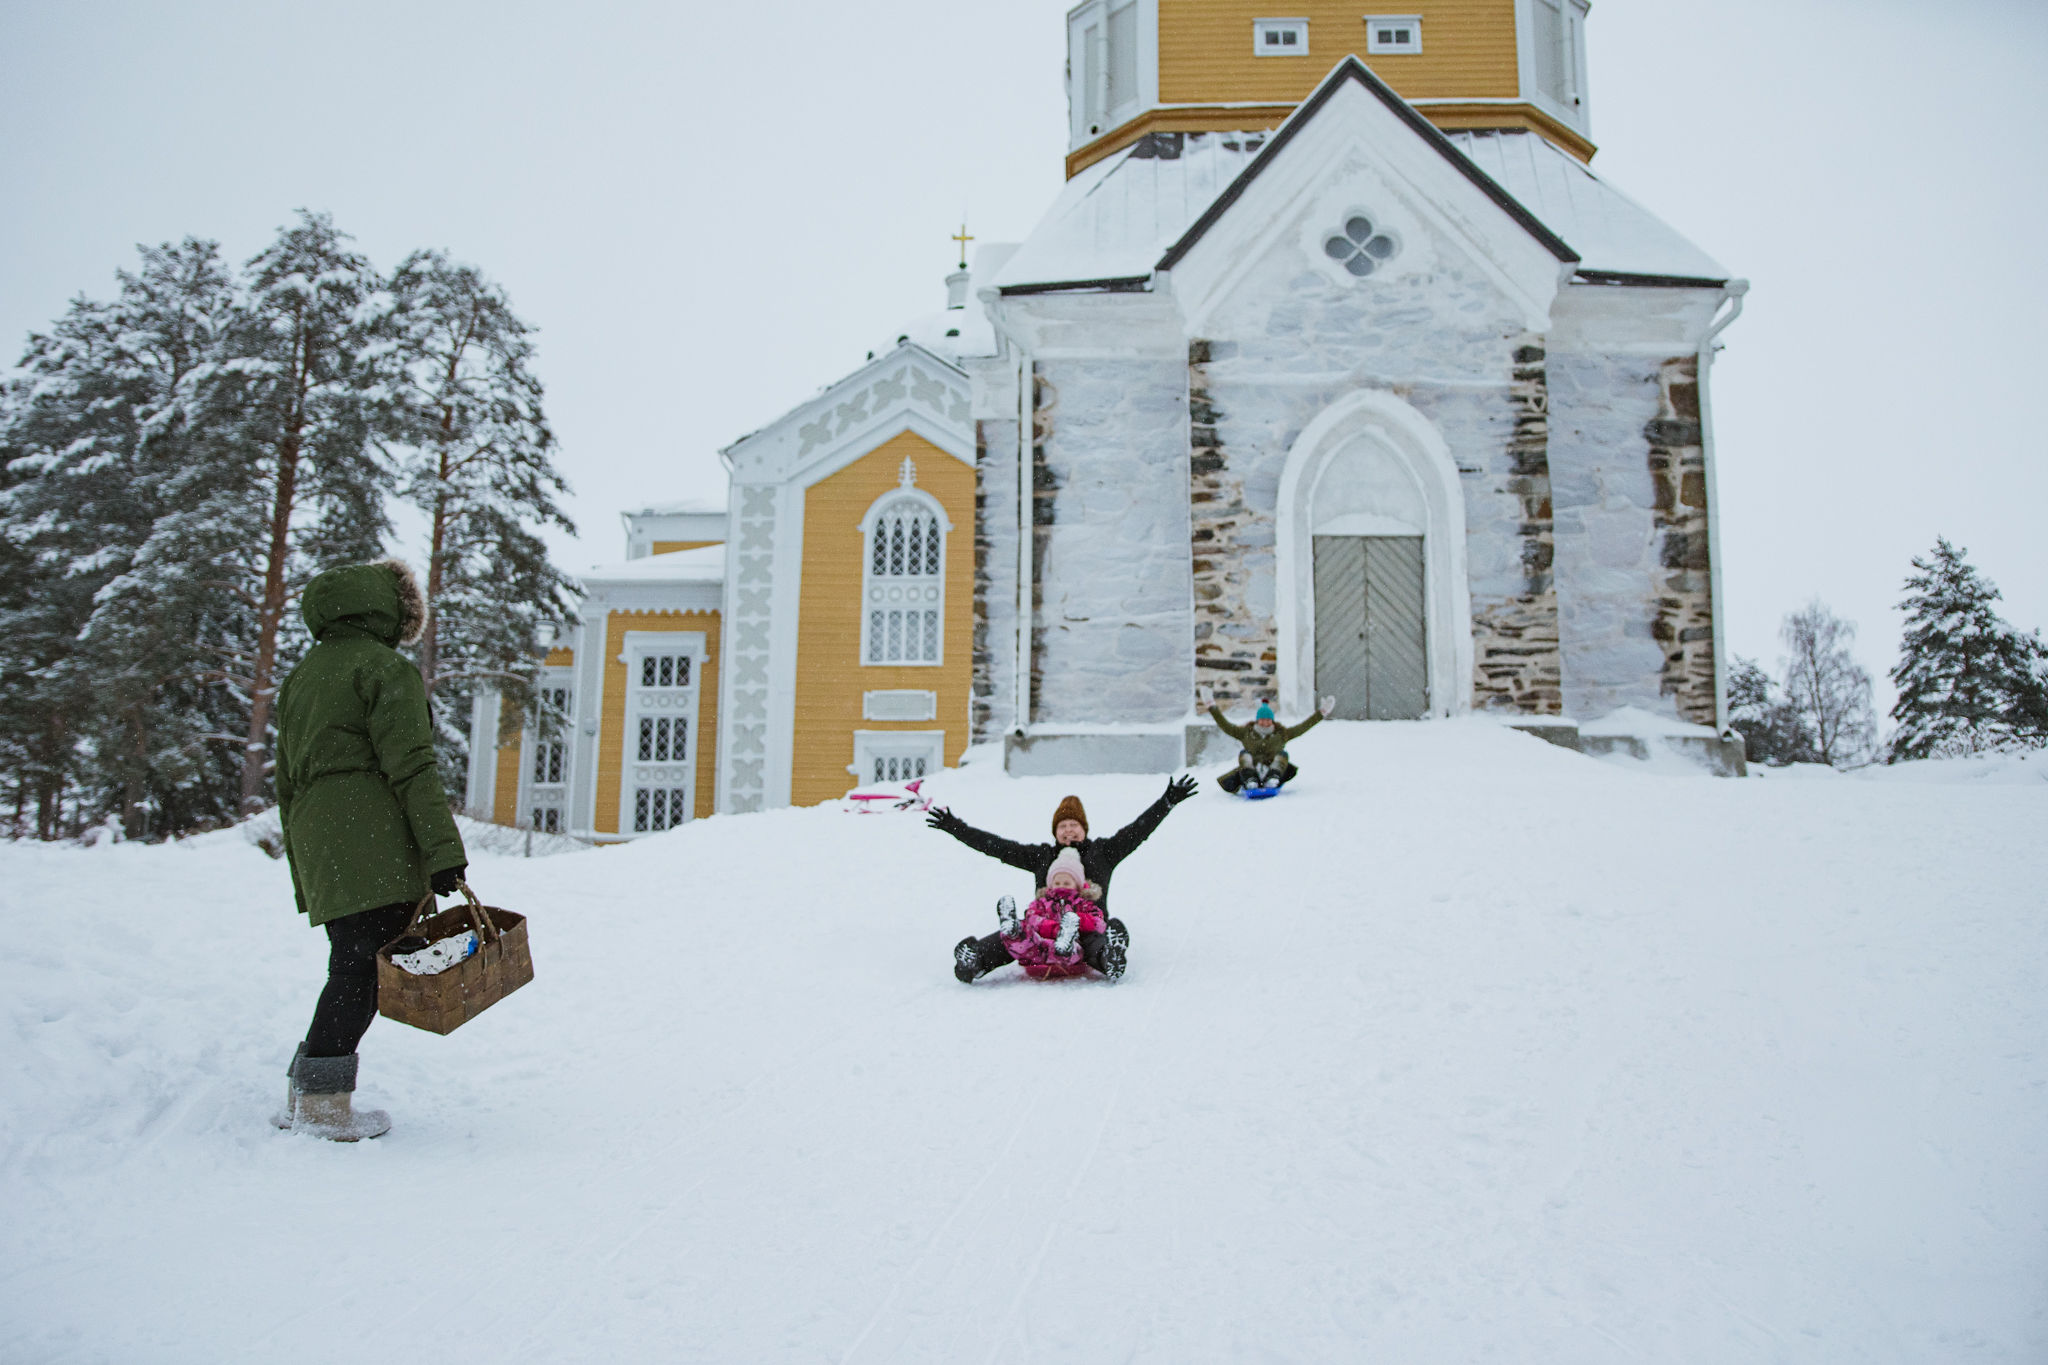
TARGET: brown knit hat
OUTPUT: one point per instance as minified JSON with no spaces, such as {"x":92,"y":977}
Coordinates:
{"x":1069,"y":808}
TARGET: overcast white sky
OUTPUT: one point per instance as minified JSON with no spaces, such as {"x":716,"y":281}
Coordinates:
{"x":710,"y":211}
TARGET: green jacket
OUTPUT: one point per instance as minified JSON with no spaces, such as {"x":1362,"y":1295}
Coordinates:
{"x":1263,"y":748}
{"x":366,"y":822}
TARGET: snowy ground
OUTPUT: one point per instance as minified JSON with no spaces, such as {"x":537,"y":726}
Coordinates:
{"x":1467,"y":1048}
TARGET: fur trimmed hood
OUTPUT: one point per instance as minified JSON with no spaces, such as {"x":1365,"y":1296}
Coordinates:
{"x":412,"y":603}
{"x":383,"y":599}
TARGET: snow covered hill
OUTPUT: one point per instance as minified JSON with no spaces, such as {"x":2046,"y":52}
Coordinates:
{"x":1466,"y":1048}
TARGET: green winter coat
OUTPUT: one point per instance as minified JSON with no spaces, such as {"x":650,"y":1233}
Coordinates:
{"x":1263,"y":748}
{"x":366,"y":822}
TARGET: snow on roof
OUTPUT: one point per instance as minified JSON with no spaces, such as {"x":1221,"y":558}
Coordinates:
{"x":953,"y":333}
{"x":682,"y":507}
{"x":705,"y":564}
{"x":1609,"y":230}
{"x":1118,"y":217}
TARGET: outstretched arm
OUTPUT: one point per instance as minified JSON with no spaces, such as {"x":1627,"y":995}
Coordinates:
{"x":1294,"y":732}
{"x":995,"y":846}
{"x":1223,"y":723}
{"x":1120,"y":844}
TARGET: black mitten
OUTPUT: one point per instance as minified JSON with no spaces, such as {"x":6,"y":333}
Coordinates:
{"x":448,"y":880}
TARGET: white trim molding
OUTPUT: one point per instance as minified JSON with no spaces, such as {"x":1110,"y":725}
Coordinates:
{"x":908,"y":746}
{"x":1372,"y":425}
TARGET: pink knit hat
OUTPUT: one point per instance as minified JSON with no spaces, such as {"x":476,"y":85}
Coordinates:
{"x":1067,"y":861}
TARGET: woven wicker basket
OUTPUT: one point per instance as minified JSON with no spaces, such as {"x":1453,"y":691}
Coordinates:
{"x":447,"y":1000}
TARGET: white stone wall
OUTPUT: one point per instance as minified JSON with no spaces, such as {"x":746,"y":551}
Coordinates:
{"x":1292,"y":341}
{"x":995,"y":579}
{"x":1608,"y":544}
{"x":1110,"y":638}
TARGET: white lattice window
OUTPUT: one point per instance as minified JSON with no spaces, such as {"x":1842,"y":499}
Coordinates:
{"x":897,"y":755}
{"x":663,"y":681}
{"x":1393,"y":33}
{"x":903,"y":580}
{"x":548,"y":777}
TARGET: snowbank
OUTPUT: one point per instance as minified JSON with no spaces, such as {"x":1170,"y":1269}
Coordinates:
{"x":1467,"y":1047}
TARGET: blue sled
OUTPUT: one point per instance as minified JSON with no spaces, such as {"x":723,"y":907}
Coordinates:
{"x":1259,"y":793}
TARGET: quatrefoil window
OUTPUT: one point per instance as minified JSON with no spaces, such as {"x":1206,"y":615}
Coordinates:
{"x":1361,"y":247}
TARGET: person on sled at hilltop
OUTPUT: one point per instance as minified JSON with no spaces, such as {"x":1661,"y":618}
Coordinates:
{"x":1263,"y":761}
{"x":1104,"y":951}
{"x":367,"y":830}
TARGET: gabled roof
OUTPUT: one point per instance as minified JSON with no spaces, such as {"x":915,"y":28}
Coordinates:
{"x":904,"y":388}
{"x":706,"y":564}
{"x":1143,"y":208}
{"x":1618,"y":240}
{"x":1351,"y":69}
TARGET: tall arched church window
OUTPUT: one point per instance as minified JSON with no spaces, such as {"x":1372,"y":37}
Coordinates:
{"x":903,"y":593}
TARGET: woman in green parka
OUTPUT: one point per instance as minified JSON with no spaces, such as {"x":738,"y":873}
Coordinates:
{"x":367,"y":830}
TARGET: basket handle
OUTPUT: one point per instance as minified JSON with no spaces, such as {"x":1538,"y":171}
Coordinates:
{"x":479,"y":917}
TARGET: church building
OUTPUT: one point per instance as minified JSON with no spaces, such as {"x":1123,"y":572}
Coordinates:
{"x":1334,"y":370}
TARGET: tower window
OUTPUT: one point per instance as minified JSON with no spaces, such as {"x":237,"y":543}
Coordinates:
{"x":1393,"y":33}
{"x":1280,"y":37}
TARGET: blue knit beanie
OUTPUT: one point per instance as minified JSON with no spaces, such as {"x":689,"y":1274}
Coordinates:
{"x":1265,"y":712}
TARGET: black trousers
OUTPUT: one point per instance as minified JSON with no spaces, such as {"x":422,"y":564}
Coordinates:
{"x":1237,"y":776}
{"x":989,"y":953}
{"x":349,"y":1000}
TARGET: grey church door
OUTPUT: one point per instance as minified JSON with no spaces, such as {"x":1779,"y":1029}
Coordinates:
{"x":1369,"y":627}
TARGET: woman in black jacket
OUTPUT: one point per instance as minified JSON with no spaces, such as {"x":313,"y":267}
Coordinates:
{"x":1105,"y":952}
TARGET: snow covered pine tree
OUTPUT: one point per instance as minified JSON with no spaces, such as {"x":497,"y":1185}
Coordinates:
{"x":1968,"y":682}
{"x":103,"y":638}
{"x":304,"y":479}
{"x":479,"y":466}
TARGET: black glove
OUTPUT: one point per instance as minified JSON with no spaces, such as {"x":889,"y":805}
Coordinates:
{"x":938,"y":817}
{"x":447,"y":880}
{"x":1179,"y":790}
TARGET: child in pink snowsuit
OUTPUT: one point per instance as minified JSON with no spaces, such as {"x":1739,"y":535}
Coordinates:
{"x":1046,"y":939}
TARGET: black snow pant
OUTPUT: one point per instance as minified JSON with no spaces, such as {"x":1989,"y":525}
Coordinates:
{"x":989,"y":953}
{"x":349,"y":1000}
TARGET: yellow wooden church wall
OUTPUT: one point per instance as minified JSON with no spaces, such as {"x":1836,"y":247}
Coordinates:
{"x":505,"y":795}
{"x":829,"y":675}
{"x":1206,"y":57}
{"x":611,"y":725}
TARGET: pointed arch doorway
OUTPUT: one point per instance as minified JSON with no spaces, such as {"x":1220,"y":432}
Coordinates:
{"x":1373,"y":604}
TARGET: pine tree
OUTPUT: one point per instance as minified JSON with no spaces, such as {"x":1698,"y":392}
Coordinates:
{"x":301,"y":403}
{"x":1968,"y":682}
{"x":1773,"y":732}
{"x":480,"y":469}
{"x":1828,"y":690}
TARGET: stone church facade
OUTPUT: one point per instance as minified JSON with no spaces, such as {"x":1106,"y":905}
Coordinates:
{"x":1334,"y":370}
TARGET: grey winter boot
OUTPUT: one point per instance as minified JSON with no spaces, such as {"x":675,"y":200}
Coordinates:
{"x":1007,"y":922}
{"x":320,"y":1101}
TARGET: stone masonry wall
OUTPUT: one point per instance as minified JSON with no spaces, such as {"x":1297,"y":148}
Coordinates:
{"x":1236,"y":650}
{"x":1292,"y":343}
{"x":1684,"y":625}
{"x":1628,"y":480}
{"x":1516,"y":662}
{"x":1111,"y":621}
{"x":995,"y":579}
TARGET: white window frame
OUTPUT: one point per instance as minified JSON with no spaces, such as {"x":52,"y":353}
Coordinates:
{"x":1261,"y":27}
{"x":869,"y":588}
{"x":1373,"y":24}
{"x":869,"y":745}
{"x":535,"y":794}
{"x":1571,"y":105}
{"x":635,"y":774}
{"x":1092,"y":60}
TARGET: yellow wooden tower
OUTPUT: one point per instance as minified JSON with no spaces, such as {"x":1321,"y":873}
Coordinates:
{"x":1140,"y":66}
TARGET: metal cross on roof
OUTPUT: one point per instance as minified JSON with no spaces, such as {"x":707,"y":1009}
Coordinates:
{"x":963,"y":239}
